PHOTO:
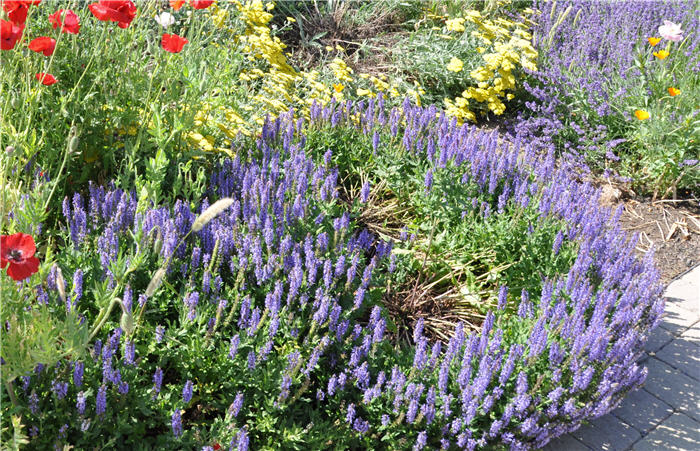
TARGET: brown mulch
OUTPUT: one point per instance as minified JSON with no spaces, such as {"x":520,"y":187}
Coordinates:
{"x":671,"y":227}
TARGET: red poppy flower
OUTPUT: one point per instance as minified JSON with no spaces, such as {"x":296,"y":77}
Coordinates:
{"x":216,"y":447}
{"x":173,"y":43}
{"x":43,"y":44}
{"x":17,"y":9}
{"x":18,"y":250}
{"x":9,"y":34}
{"x":177,"y":4}
{"x":67,"y":20}
{"x":120,"y":11}
{"x":46,"y":79}
{"x":201,"y":4}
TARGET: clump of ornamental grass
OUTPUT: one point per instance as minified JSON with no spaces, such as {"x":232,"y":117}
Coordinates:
{"x":270,"y":328}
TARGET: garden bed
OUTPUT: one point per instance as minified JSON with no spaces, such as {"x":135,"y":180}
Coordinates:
{"x":217,"y":249}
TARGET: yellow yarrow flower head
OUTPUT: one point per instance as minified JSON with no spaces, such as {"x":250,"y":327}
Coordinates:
{"x":641,"y":115}
{"x":456,"y":24}
{"x":661,"y":54}
{"x":455,"y":65}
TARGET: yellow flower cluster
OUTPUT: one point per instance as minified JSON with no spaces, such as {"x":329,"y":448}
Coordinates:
{"x":506,"y":49}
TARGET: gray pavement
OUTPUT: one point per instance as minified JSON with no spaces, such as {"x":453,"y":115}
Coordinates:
{"x":665,"y":413}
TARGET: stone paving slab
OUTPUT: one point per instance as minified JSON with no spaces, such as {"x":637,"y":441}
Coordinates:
{"x":674,"y":387}
{"x":643,"y":411}
{"x":607,"y":435}
{"x":692,"y":334}
{"x":658,"y":338}
{"x":687,"y":287}
{"x":682,"y":302}
{"x":683,"y":355}
{"x":565,"y":442}
{"x":678,"y":433}
{"x":677,"y":318}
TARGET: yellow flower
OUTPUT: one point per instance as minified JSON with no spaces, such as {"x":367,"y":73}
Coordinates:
{"x":673,"y":92}
{"x":641,"y":115}
{"x":653,"y":41}
{"x":456,"y":24}
{"x":661,"y":54}
{"x":291,"y":19}
{"x":338,"y":87}
{"x":455,"y":65}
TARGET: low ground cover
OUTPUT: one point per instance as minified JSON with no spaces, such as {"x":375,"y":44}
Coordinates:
{"x":219,"y":249}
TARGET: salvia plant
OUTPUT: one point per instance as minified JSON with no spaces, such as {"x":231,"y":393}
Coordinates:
{"x":259,"y":315}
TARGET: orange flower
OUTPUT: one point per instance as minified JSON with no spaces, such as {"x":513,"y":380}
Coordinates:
{"x":673,"y":92}
{"x":661,"y":54}
{"x":653,"y":41}
{"x":641,"y":115}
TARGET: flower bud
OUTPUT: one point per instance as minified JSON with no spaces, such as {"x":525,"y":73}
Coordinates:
{"x":73,"y":144}
{"x":60,"y":283}
{"x":127,"y":322}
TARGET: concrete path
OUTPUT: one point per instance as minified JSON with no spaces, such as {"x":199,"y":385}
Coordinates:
{"x":665,"y":413}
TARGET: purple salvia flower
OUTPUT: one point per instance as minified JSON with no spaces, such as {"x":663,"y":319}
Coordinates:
{"x":60,"y":389}
{"x":160,"y":333}
{"x":428,"y":180}
{"x":236,"y":405}
{"x":233,"y":346}
{"x":77,"y":285}
{"x":176,"y":423}
{"x":101,"y":400}
{"x":78,"y":373}
{"x":187,"y":391}
{"x":157,"y":381}
{"x":80,"y":404}
{"x":350,"y":415}
{"x":242,"y":440}
{"x":34,"y":403}
{"x":364,"y":193}
{"x":130,"y":353}
{"x":421,"y":441}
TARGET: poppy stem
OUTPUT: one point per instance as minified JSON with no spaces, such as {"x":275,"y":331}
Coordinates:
{"x":63,"y":164}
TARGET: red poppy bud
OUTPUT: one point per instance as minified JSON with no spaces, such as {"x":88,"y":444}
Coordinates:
{"x":173,"y":43}
{"x":46,"y":79}
{"x":43,"y":44}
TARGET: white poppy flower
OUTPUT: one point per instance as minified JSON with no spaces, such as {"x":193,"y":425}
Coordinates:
{"x":165,"y":19}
